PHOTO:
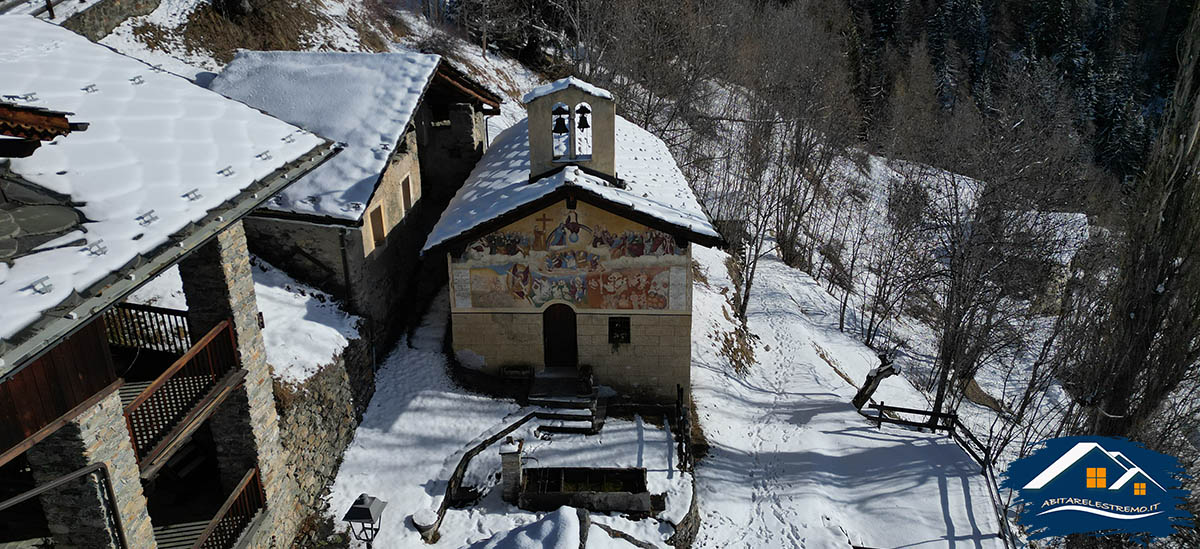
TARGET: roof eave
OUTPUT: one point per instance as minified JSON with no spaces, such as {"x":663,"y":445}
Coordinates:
{"x":587,"y":195}
{"x":63,"y":320}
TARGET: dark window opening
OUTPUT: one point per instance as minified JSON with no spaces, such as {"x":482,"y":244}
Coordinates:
{"x":378,"y":231}
{"x":618,"y":330}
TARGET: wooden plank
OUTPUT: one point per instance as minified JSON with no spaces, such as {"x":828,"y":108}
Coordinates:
{"x":53,"y":426}
{"x":887,"y":408}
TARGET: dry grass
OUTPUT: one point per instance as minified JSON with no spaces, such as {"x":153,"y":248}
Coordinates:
{"x":153,"y":36}
{"x":274,"y":25}
{"x":976,"y":394}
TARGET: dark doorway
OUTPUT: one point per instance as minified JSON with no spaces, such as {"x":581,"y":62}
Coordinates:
{"x":558,"y":337}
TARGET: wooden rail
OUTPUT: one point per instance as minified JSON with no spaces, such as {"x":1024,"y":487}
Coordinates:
{"x":966,"y":440}
{"x":238,"y":511}
{"x":171,"y":397}
{"x":100,"y":470}
{"x":147,"y":327}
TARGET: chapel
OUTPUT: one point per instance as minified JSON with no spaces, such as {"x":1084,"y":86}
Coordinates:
{"x":569,"y":249}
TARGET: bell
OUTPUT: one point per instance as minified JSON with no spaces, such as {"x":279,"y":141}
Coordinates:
{"x":560,"y":125}
{"x":561,"y":110}
{"x":583,"y":123}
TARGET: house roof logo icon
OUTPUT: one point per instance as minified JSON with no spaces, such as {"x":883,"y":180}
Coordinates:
{"x":1076,"y":453}
{"x":1097,"y":486}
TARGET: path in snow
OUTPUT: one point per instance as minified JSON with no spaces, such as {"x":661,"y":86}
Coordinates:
{"x":791,"y":463}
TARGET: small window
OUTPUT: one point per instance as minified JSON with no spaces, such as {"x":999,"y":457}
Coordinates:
{"x":1097,"y":477}
{"x":618,"y":330}
{"x":377,"y":229}
{"x":407,"y":194}
{"x":1139,"y":488}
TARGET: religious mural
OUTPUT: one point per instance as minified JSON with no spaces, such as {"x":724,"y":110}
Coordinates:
{"x":588,"y":257}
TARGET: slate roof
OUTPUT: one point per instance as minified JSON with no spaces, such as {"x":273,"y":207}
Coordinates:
{"x":160,"y":159}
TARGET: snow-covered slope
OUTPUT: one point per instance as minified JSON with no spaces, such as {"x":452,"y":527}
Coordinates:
{"x":792,"y":464}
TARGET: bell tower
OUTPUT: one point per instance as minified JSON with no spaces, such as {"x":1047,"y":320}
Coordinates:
{"x":571,"y":122}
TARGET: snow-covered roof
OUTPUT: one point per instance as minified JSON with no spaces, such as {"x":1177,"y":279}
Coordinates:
{"x":562,"y":84}
{"x":159,"y":155}
{"x":363,"y":100}
{"x":500,"y":183}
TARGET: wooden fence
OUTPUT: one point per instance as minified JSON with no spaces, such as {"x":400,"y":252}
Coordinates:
{"x":965,"y":439}
{"x":147,"y":327}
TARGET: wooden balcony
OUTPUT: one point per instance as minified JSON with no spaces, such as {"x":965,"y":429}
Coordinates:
{"x":135,"y":326}
{"x":182,"y":397}
{"x":241,"y":510}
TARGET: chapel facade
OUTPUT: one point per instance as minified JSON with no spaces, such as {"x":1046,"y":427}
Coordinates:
{"x":588,"y":276}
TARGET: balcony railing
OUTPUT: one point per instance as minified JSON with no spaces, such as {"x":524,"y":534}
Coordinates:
{"x":147,"y":327}
{"x":167,"y":402}
{"x":239,"y":510}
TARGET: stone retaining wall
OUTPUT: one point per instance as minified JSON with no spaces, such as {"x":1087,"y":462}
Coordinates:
{"x":101,"y":18}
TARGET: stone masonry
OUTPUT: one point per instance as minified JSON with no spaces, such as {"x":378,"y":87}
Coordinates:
{"x":101,"y":18}
{"x":218,"y":285}
{"x":75,"y":512}
{"x":317,"y":421}
{"x":657,"y":358}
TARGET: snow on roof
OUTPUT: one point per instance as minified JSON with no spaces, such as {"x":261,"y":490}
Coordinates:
{"x":364,"y":100}
{"x":159,"y":154}
{"x":562,"y":84}
{"x":500,"y":183}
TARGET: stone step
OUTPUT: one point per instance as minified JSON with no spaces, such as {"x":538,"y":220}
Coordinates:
{"x":572,"y":402}
{"x":573,"y":427}
{"x":567,"y":415}
{"x":179,"y":536}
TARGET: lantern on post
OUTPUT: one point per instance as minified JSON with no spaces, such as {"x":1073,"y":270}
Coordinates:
{"x":364,"y":516}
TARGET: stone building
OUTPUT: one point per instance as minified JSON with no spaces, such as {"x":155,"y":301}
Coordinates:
{"x":569,"y":248}
{"x":412,"y":128}
{"x":125,"y":425}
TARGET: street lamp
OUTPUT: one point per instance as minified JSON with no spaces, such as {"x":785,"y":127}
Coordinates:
{"x":364,"y":517}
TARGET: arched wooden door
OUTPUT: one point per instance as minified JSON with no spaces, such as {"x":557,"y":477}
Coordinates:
{"x":559,"y":337}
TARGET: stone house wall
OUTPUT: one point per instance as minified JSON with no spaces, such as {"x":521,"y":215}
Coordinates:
{"x":345,"y":260}
{"x":452,"y":142}
{"x":657,"y":358}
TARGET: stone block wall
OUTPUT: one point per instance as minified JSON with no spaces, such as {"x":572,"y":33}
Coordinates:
{"x":488,"y":341}
{"x":75,"y":511}
{"x":101,"y":18}
{"x":316,"y":424}
{"x":309,"y":252}
{"x":657,"y":358}
{"x":450,"y":148}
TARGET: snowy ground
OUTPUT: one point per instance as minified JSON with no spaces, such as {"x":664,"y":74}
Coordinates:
{"x":304,"y":327}
{"x":791,"y":463}
{"x":419,"y":424}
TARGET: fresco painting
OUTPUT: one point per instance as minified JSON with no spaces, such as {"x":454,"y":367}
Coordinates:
{"x":587,"y":257}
